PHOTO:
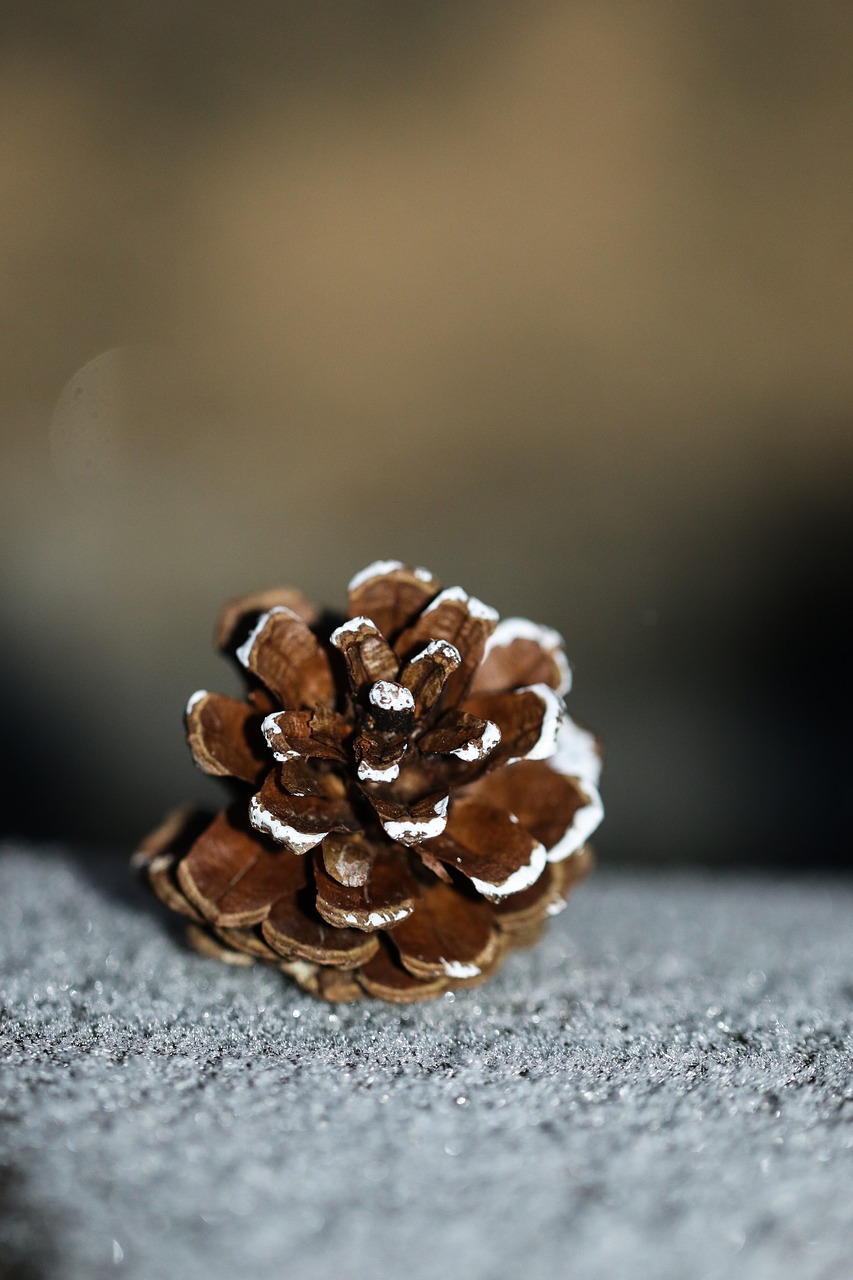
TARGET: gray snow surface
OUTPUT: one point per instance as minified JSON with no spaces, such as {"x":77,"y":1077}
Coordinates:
{"x":661,"y":1089}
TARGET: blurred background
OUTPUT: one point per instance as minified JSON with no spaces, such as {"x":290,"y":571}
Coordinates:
{"x":554,"y":298}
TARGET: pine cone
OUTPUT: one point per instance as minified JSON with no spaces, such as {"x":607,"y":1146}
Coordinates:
{"x":410,"y":800}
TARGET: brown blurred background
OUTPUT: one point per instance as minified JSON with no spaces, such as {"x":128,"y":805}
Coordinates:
{"x":553,"y":298}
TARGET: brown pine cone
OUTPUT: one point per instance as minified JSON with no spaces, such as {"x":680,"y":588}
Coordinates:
{"x":410,"y":801}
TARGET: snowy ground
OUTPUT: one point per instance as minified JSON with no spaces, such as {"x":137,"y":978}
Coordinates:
{"x":664,"y":1088}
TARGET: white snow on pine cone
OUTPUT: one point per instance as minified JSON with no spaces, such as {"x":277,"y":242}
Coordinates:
{"x":575,"y":754}
{"x":475,"y":607}
{"x":439,"y":646}
{"x":194,"y":700}
{"x":576,"y":757}
{"x":479,"y":748}
{"x":244,"y":652}
{"x":296,"y":841}
{"x":354,"y":624}
{"x":586,"y":820}
{"x":378,"y":569}
{"x":555,"y":710}
{"x":458,"y":969}
{"x":272,"y":730}
{"x":377,"y":919}
{"x":413,"y":831}
{"x":366,"y":774}
{"x":388,"y":696}
{"x":523,"y":878}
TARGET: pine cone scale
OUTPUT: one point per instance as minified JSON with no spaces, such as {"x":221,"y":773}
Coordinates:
{"x":248,"y":940}
{"x":367,"y":654}
{"x":528,"y":720}
{"x":450,"y":935}
{"x":219,"y":857}
{"x":426,"y":674}
{"x":239,"y":616}
{"x":306,"y":735}
{"x":544,"y":801}
{"x":225,"y":737}
{"x":491,"y":848}
{"x":162,"y":851}
{"x":283,"y":652}
{"x":388,"y":897}
{"x":294,"y":928}
{"x":519,"y":653}
{"x":247,"y":899}
{"x":391,"y":594}
{"x":348,"y":858}
{"x":461,"y":621}
{"x":299,"y":807}
{"x":459,"y":733}
{"x":384,"y":977}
